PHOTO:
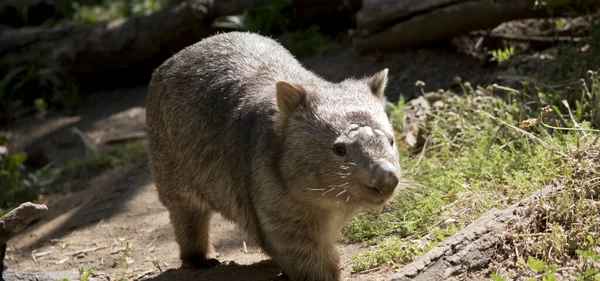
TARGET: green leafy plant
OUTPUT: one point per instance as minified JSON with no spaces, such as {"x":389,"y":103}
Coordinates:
{"x":499,"y":278}
{"x":11,"y":167}
{"x":590,"y":256}
{"x":263,"y":19}
{"x":539,"y":266}
{"x":305,"y":42}
{"x":43,"y":176}
{"x":396,"y":114}
{"x":502,"y":55}
{"x":84,"y":275}
{"x":127,"y":260}
{"x":11,"y":83}
{"x":41,"y":108}
{"x":114,"y":9}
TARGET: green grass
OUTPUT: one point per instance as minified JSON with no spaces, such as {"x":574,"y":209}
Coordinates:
{"x":123,"y":153}
{"x":470,"y":164}
{"x":115,"y":9}
{"x":275,"y":18}
{"x":83,"y":274}
{"x":28,"y":89}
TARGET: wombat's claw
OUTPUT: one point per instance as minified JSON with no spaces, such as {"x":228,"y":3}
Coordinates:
{"x":195,"y":263}
{"x":281,"y":277}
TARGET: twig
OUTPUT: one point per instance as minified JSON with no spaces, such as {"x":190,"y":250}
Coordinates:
{"x":533,"y":38}
{"x":368,"y":270}
{"x":151,"y":243}
{"x":469,"y":190}
{"x":41,"y":254}
{"x":74,"y":253}
{"x":529,"y":135}
{"x":566,"y":104}
{"x":568,"y":129}
{"x":422,"y":152}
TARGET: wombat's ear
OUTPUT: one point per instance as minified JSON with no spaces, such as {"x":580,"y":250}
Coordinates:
{"x":378,"y":82}
{"x":289,"y":96}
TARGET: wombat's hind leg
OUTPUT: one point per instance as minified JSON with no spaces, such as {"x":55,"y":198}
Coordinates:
{"x":191,"y":233}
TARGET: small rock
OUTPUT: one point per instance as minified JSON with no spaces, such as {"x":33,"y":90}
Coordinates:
{"x":68,"y":144}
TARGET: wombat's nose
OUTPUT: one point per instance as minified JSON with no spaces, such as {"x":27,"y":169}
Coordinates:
{"x":385,"y":176}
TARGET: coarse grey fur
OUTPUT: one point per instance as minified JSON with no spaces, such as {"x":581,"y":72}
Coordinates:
{"x":238,"y":126}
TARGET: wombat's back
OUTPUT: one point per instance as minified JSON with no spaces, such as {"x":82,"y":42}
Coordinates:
{"x":208,"y":115}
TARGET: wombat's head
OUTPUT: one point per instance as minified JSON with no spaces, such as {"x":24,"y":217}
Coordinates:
{"x":338,"y":146}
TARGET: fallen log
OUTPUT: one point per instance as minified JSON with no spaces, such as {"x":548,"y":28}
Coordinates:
{"x":470,"y":248}
{"x":30,"y":12}
{"x":15,"y":221}
{"x":124,"y":52}
{"x":332,"y":16}
{"x":386,"y":24}
{"x":119,"y":50}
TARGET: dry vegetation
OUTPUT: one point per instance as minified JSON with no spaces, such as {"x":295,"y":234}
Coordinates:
{"x":475,"y":151}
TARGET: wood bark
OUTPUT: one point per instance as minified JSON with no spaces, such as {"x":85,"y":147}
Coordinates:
{"x":471,"y":248}
{"x":116,"y":50}
{"x":17,"y":219}
{"x":13,"y":222}
{"x":387,"y":24}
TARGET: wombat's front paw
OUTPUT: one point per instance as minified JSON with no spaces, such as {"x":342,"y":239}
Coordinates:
{"x":195,"y":263}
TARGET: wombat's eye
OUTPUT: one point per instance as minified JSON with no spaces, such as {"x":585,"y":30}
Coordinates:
{"x":340,"y":149}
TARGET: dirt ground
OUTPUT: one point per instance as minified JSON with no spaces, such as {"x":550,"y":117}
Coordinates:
{"x":88,"y":224}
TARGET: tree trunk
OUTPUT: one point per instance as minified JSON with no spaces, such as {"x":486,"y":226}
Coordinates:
{"x":115,"y":51}
{"x":471,"y":248}
{"x":387,"y":24}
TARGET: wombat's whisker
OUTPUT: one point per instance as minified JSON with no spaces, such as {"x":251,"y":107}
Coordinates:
{"x":329,"y":191}
{"x":347,"y":199}
{"x":341,"y":192}
{"x":315,"y":189}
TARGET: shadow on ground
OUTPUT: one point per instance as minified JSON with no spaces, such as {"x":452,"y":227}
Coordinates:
{"x":103,"y":198}
{"x":261,"y":271}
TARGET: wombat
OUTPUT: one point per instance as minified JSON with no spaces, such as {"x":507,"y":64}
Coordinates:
{"x":238,"y":126}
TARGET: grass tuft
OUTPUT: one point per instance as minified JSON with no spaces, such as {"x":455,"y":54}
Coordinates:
{"x":475,"y":158}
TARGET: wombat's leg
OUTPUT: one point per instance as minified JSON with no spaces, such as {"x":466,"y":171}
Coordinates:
{"x":305,"y":258}
{"x":191,"y":233}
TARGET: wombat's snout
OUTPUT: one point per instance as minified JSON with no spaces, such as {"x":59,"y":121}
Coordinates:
{"x":385,"y":176}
